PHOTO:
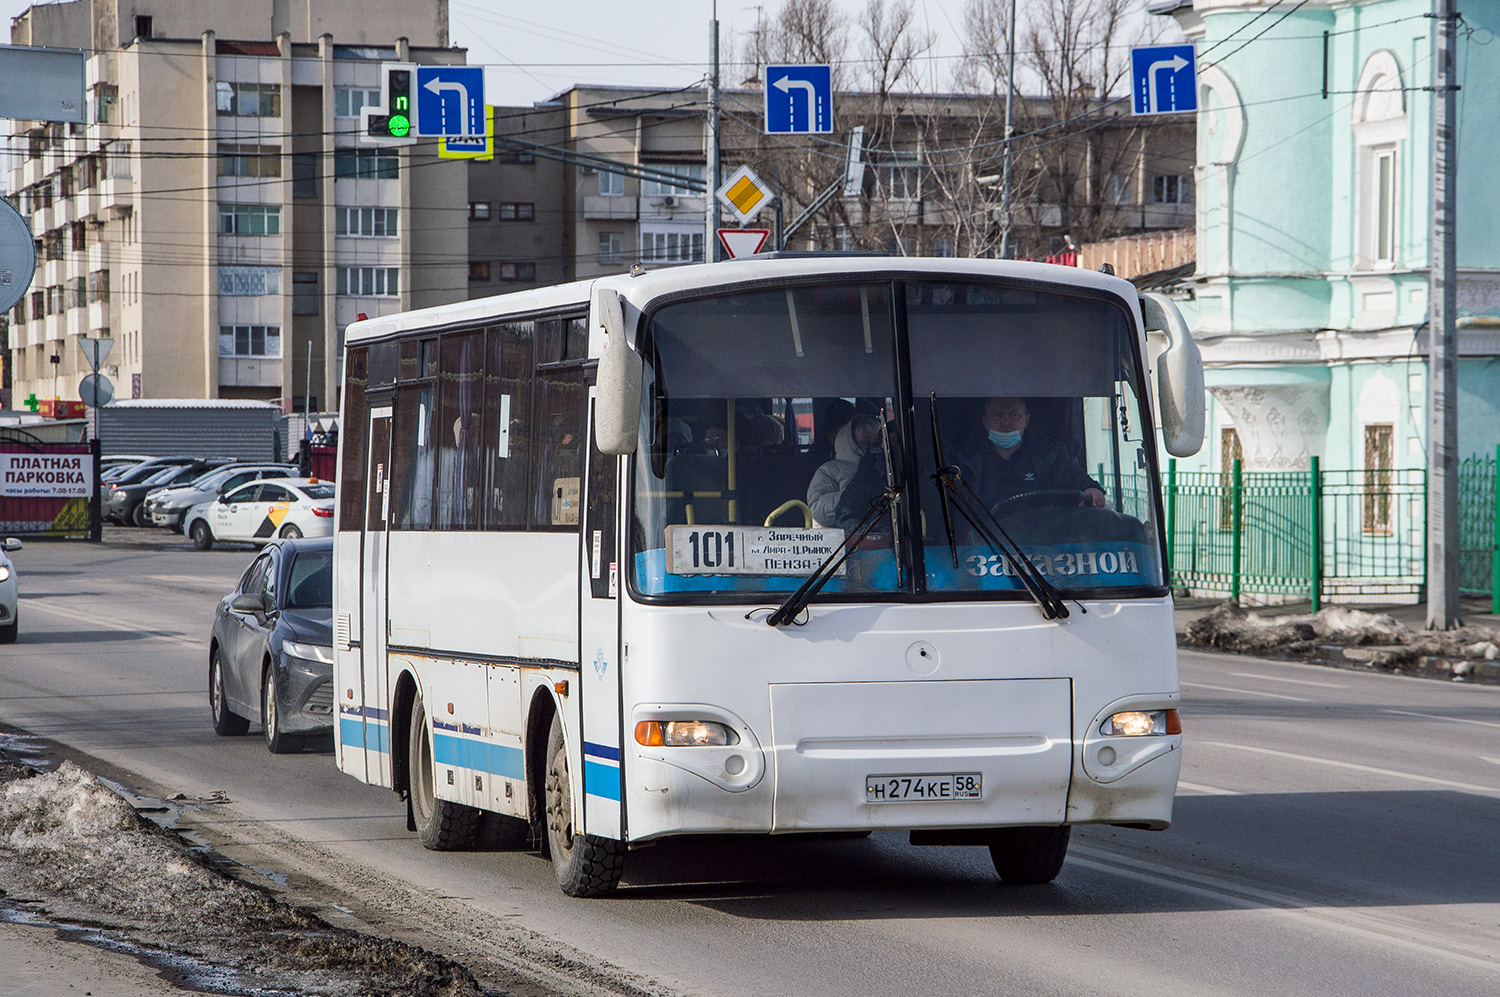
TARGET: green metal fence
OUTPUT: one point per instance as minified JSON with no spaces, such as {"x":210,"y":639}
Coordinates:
{"x":1316,"y":534}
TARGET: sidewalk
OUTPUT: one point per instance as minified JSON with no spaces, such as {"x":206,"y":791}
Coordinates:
{"x":1367,"y":637}
{"x":1473,"y":610}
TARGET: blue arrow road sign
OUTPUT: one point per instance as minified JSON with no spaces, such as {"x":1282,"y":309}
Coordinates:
{"x":450,"y":103}
{"x":799,"y":100}
{"x":1163,"y":79}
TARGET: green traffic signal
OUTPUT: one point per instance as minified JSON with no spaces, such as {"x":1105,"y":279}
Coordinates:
{"x":399,"y":125}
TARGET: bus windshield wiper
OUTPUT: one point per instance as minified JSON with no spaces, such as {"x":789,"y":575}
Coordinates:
{"x":957,"y":494}
{"x":798,"y":600}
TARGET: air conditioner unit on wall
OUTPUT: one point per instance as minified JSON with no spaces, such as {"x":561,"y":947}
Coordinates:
{"x":670,"y":201}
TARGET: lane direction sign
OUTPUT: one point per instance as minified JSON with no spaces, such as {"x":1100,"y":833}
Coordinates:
{"x":741,"y":242}
{"x":799,"y":100}
{"x":450,"y":104}
{"x":1163,"y":79}
{"x":744,"y":193}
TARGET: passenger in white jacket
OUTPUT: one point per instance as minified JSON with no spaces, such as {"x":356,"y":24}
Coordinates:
{"x":849,"y":445}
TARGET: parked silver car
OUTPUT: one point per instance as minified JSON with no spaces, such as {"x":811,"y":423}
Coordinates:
{"x":167,"y":506}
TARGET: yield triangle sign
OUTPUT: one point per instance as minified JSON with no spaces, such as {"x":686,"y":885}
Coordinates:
{"x":742,"y":242}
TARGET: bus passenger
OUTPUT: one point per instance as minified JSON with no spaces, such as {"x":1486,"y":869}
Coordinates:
{"x":850,"y":443}
{"x":1006,"y":464}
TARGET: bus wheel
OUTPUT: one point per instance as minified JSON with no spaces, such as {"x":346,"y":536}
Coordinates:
{"x":443,"y":826}
{"x":1029,"y":854}
{"x":586,"y":865}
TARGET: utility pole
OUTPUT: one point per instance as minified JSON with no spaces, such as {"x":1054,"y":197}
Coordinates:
{"x":1010,"y":96}
{"x":715,"y":177}
{"x":1442,"y":344}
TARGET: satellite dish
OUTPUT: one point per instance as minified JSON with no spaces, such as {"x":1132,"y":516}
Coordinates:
{"x":17,"y":256}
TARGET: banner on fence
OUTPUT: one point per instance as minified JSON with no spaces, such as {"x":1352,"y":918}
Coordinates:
{"x":61,"y":475}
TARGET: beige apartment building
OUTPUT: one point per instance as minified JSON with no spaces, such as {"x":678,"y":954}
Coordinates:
{"x":217,"y":215}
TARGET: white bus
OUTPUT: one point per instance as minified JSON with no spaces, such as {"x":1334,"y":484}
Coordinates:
{"x":582,"y":601}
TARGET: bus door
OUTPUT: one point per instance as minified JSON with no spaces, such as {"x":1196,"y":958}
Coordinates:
{"x":373,"y":615}
{"x":599,"y":643}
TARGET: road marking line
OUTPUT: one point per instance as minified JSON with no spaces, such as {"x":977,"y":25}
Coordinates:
{"x":1278,"y":678}
{"x":1243,"y":692}
{"x":112,"y":623}
{"x":1388,"y":930}
{"x":1355,"y":766}
{"x":1438,"y":716}
{"x":1487,"y":758}
{"x":1207,"y":790}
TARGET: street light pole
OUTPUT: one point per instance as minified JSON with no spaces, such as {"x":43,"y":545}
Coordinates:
{"x":1010,"y":96}
{"x":1442,"y":345}
{"x":711,"y":208}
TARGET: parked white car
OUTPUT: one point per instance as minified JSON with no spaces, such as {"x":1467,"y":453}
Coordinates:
{"x":10,"y":610}
{"x":262,"y":511}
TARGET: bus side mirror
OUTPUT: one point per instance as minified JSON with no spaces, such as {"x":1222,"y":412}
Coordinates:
{"x":1179,"y":377}
{"x":617,"y":406}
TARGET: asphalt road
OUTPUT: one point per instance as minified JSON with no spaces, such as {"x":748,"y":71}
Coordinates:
{"x":1335,"y":834}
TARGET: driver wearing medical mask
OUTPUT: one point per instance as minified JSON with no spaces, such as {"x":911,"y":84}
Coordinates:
{"x":1009,"y":464}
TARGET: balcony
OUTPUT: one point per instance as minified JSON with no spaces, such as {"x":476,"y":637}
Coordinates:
{"x":674,"y":207}
{"x":33,"y":171}
{"x":42,"y":221}
{"x":612,"y":208}
{"x":86,"y":202}
{"x":77,"y":321}
{"x":116,"y":192}
{"x":250,"y":372}
{"x":98,"y":317}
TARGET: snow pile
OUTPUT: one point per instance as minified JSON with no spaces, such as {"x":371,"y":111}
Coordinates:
{"x":1302,"y":635}
{"x":75,"y":852}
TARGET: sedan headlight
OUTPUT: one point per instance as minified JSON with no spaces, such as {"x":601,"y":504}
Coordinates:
{"x":321,"y":653}
{"x":4,"y":572}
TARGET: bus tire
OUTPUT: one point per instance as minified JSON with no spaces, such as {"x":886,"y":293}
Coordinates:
{"x":442,"y":825}
{"x":586,"y":865}
{"x":1032,"y":855}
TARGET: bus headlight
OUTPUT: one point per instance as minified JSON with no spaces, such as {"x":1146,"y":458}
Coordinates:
{"x":1138,"y":723}
{"x":680,"y":733}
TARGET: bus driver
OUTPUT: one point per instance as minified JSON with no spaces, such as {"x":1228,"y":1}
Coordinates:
{"x":1006,"y":464}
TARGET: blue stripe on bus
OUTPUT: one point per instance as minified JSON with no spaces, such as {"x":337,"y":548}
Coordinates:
{"x":352,"y":732}
{"x":481,"y":756}
{"x":370,"y":712}
{"x":601,"y":780}
{"x":380,"y":735}
{"x":601,"y":751}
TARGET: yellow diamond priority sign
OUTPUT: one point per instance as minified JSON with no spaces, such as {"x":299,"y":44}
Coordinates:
{"x":744,"y":193}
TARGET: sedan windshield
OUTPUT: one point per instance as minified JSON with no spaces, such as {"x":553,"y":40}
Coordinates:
{"x":776,"y":427}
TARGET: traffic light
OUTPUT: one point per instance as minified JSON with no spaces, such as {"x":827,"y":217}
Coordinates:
{"x":393,"y":122}
{"x":398,"y":102}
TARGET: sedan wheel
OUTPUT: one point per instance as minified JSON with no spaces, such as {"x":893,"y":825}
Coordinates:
{"x":277,"y":741}
{"x":226,"y":722}
{"x":203,"y":537}
{"x":137,"y":515}
{"x":290,"y":532}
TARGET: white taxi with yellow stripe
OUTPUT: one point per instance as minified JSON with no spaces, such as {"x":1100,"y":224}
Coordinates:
{"x":262,"y":511}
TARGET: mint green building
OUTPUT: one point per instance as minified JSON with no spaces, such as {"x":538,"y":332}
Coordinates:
{"x":1310,"y":296}
{"x":1313,"y":226}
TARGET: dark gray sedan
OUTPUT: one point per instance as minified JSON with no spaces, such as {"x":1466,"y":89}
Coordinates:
{"x":271,"y":655}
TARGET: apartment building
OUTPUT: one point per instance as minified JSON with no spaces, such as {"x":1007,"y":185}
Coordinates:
{"x":930,"y":165}
{"x":217,"y":214}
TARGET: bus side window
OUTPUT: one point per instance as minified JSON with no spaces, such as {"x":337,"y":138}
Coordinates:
{"x":355,"y":426}
{"x":413,"y":459}
{"x":458,"y":431}
{"x":559,"y":441}
{"x":507,"y":425}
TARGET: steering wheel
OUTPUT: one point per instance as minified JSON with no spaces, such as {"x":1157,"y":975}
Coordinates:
{"x":1039,"y":498}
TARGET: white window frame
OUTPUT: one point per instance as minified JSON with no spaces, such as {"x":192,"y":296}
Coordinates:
{"x":249,"y":282}
{"x":366,"y":222}
{"x":231,"y":337}
{"x":611,"y":184}
{"x":368,"y":282}
{"x":344,"y":104}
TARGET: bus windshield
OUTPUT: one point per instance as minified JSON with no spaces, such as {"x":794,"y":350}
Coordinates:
{"x":778,"y":423}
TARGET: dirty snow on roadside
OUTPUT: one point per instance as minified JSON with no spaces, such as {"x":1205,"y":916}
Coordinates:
{"x":75,"y":853}
{"x":1304,"y":635}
